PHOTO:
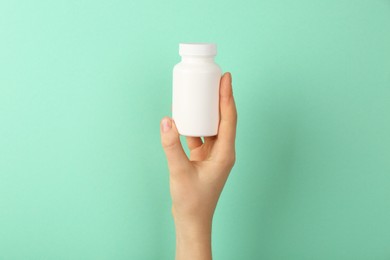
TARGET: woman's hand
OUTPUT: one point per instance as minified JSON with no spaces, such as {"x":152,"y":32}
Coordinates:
{"x":197,"y":182}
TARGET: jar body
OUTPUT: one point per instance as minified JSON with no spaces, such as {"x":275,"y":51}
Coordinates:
{"x":195,"y":99}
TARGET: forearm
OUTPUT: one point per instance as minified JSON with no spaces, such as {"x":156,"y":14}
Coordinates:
{"x":193,"y":241}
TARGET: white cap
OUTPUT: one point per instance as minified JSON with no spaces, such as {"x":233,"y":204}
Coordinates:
{"x":201,"y":49}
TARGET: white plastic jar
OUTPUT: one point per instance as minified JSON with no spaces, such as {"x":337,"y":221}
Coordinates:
{"x":195,"y":99}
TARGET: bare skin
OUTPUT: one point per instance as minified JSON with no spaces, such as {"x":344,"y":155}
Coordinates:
{"x":197,"y":182}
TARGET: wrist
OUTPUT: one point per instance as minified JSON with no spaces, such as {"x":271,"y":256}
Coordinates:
{"x":193,"y":230}
{"x":193,"y":240}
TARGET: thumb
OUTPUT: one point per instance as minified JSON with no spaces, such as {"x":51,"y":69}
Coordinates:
{"x":177,"y":159}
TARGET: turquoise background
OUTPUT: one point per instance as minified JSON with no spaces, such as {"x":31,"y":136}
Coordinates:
{"x":84,"y":84}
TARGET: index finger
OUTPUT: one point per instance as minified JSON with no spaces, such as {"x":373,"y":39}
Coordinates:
{"x":228,"y":113}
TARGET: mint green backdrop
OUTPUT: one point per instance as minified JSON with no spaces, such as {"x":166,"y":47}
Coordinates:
{"x":84,"y":84}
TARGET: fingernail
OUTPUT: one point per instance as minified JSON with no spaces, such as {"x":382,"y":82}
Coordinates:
{"x":166,"y":125}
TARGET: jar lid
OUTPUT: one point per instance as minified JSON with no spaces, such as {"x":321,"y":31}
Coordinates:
{"x":198,"y":49}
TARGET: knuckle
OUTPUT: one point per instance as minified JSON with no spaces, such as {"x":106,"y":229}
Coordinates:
{"x":168,"y":144}
{"x":231,"y":160}
{"x":228,"y":161}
